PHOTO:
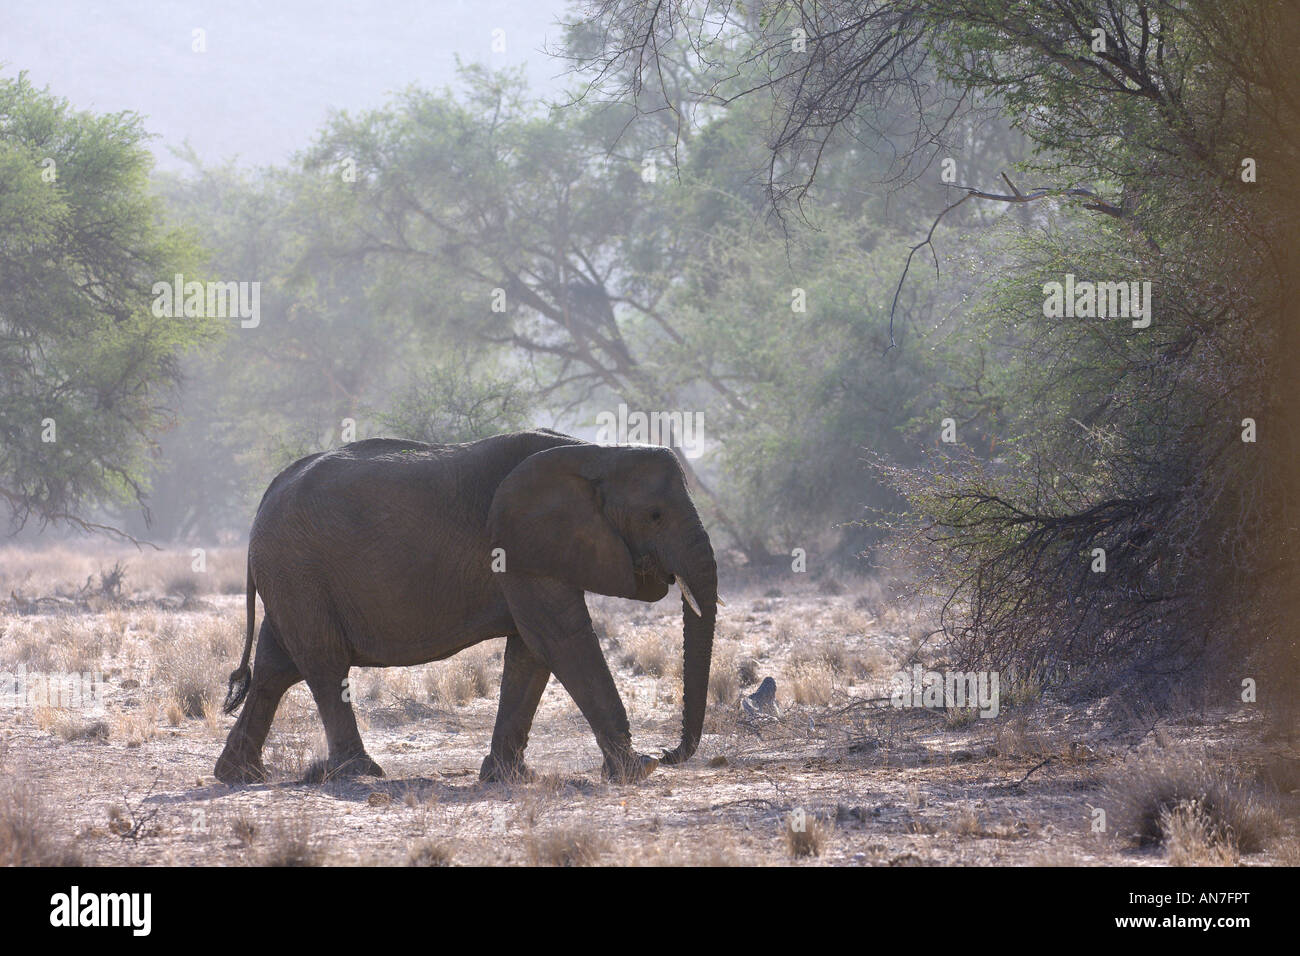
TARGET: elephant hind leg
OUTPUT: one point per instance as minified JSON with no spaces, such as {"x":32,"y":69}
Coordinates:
{"x":347,"y":754}
{"x":273,"y":674}
{"x":523,"y":679}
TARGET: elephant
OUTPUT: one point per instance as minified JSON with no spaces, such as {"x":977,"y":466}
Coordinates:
{"x":390,"y":553}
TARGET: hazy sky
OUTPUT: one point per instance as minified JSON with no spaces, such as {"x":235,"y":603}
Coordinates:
{"x":272,"y":69}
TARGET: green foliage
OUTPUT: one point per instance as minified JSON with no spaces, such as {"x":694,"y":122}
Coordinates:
{"x":342,"y":337}
{"x":80,"y":249}
{"x":813,"y":388}
{"x":1074,"y":434}
{"x":1113,"y":437}
{"x":384,"y":254}
{"x":455,"y":404}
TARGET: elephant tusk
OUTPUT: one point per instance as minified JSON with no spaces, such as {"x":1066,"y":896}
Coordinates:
{"x":690,"y":598}
{"x":721,"y":603}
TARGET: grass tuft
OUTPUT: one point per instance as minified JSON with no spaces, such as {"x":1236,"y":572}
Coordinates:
{"x":1184,"y":790}
{"x":26,"y":838}
{"x":565,"y":847}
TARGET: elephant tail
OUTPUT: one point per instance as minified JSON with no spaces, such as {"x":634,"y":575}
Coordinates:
{"x":241,"y":676}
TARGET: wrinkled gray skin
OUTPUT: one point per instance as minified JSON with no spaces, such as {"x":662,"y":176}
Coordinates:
{"x":379,"y":554}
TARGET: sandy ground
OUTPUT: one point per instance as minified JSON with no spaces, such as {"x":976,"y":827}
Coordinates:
{"x":873,"y":784}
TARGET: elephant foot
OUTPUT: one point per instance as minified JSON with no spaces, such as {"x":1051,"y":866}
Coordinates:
{"x":237,"y":770}
{"x":359,"y":766}
{"x":495,"y":770}
{"x":631,"y":769}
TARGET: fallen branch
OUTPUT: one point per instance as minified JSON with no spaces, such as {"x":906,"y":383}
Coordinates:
{"x":871,"y":702}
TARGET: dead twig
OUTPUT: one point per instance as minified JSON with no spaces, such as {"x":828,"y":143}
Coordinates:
{"x":1095,"y":204}
{"x":735,"y":803}
{"x":1037,"y":766}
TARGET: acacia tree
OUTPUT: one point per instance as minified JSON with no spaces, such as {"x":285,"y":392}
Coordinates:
{"x":337,"y":354}
{"x":541,"y":234}
{"x":87,"y":371}
{"x":522,"y":231}
{"x":1150,"y":119}
{"x":1155,"y":116}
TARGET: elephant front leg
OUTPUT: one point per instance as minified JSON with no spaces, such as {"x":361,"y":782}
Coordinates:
{"x":554,"y":624}
{"x":523,"y":679}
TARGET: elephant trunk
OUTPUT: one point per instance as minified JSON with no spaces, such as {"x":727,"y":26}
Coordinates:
{"x":697,"y":573}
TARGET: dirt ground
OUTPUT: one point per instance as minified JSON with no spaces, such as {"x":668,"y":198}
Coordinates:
{"x":871,"y":783}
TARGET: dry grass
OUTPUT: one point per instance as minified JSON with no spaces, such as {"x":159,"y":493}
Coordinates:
{"x":293,"y":841}
{"x":1288,"y":853}
{"x":221,"y":635}
{"x":812,"y":682}
{"x":872,"y":597}
{"x":607,"y":628}
{"x":244,"y":829}
{"x":184,"y":583}
{"x":427,"y":852}
{"x":135,"y":729}
{"x":174,"y":712}
{"x":223,"y":571}
{"x":569,"y":846}
{"x":873,"y":663}
{"x":151,"y":652}
{"x":70,"y":644}
{"x":67,"y":569}
{"x":706,"y":851}
{"x":1281,"y":772}
{"x":1013,"y":738}
{"x":654,"y":651}
{"x":846,"y":658}
{"x":26,"y":642}
{"x":193,"y":663}
{"x":1150,"y":792}
{"x":227,"y":570}
{"x":724,"y":675}
{"x":968,"y":824}
{"x":1019,"y":690}
{"x":1193,"y":837}
{"x":806,"y":834}
{"x":26,"y":838}
{"x":82,"y":643}
{"x":830,"y":585}
{"x":916,"y":798}
{"x":191,"y":680}
{"x":371,"y":684}
{"x":70,"y":726}
{"x":786,"y":626}
{"x":954,"y":718}
{"x":458,"y":680}
{"x":850,"y":623}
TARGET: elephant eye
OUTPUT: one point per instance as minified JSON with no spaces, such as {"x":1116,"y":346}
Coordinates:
{"x":656,"y":514}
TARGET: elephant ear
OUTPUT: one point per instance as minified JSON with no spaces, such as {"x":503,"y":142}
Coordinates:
{"x":547,"y":516}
